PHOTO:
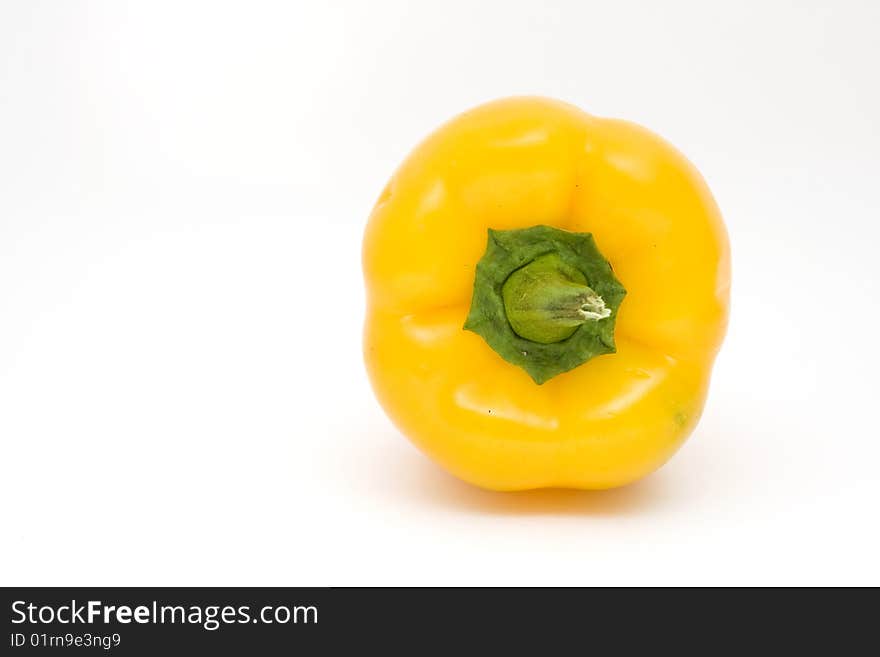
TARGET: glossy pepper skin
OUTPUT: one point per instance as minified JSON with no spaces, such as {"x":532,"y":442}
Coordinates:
{"x":516,"y":163}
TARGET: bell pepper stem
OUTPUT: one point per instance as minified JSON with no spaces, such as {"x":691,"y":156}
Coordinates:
{"x":546,"y":300}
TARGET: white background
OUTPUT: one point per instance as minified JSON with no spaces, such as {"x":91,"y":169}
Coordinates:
{"x":183,"y":190}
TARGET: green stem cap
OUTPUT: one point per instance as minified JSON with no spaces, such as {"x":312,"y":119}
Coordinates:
{"x":545,"y":299}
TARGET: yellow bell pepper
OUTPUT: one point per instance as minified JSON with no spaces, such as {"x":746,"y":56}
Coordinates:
{"x":546,"y":294}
